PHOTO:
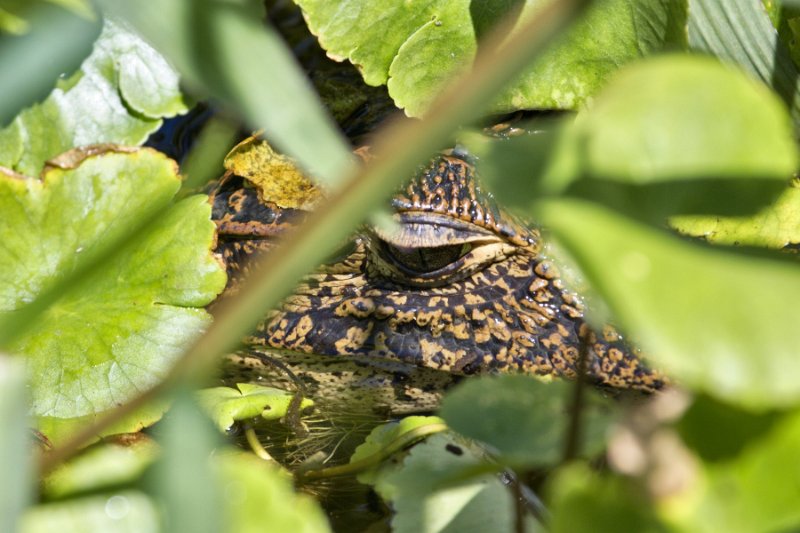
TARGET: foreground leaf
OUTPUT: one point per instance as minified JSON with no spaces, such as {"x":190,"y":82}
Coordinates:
{"x":414,"y":47}
{"x":755,"y":491}
{"x":119,"y":96}
{"x":129,"y":510}
{"x":524,"y":419}
{"x":106,"y":339}
{"x":694,"y":309}
{"x":645,"y":147}
{"x":227,"y":405}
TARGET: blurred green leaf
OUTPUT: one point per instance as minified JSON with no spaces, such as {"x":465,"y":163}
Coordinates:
{"x":119,"y":331}
{"x":119,"y":96}
{"x":742,"y":33}
{"x":523,"y":418}
{"x":126,"y":511}
{"x":717,"y":431}
{"x":429,"y":492}
{"x":207,"y":41}
{"x":258,"y":497}
{"x":226,"y":405}
{"x":31,"y":64}
{"x":415,"y":47}
{"x":756,"y":491}
{"x":16,"y":444}
{"x":183,"y":480}
{"x":694,"y":309}
{"x":583,"y":500}
{"x":645,"y":146}
{"x":102,"y":466}
{"x":682,"y":117}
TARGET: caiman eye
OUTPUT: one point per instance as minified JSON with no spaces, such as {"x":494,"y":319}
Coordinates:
{"x":424,"y":260}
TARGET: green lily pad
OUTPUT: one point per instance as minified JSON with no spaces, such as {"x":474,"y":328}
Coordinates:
{"x":119,"y":332}
{"x":414,"y":47}
{"x":390,"y":438}
{"x":718,"y":321}
{"x":524,"y":419}
{"x":119,"y":95}
{"x":227,"y":405}
{"x":429,"y":491}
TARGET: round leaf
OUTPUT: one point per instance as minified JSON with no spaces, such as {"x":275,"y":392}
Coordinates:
{"x":108,"y":338}
{"x":227,"y":405}
{"x":684,"y":117}
{"x":414,"y":47}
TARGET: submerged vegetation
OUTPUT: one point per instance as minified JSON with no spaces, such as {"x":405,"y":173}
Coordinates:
{"x":660,"y":160}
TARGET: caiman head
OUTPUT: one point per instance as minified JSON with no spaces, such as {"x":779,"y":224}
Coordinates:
{"x":458,"y":286}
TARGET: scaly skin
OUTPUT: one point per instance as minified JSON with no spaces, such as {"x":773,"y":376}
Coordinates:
{"x":496,"y":305}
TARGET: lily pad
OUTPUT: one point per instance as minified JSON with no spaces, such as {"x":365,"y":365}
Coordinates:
{"x":429,"y":491}
{"x":119,"y":95}
{"x":119,"y":332}
{"x":524,"y":419}
{"x":227,"y":405}
{"x":414,"y":47}
{"x":390,"y":438}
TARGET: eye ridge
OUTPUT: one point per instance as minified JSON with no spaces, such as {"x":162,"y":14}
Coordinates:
{"x":427,"y":259}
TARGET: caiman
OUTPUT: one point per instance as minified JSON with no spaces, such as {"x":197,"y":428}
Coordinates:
{"x":459,"y":288}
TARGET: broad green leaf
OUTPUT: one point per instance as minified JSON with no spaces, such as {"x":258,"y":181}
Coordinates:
{"x":390,"y":438}
{"x":646,"y":147}
{"x":524,"y":419}
{"x":119,"y":332}
{"x":742,"y":33}
{"x":227,"y":405}
{"x":183,"y":481}
{"x":102,"y":466}
{"x":429,"y":491}
{"x":776,"y":226}
{"x":685,"y":117}
{"x":583,"y":500}
{"x":15,"y":444}
{"x":755,"y":491}
{"x":717,"y":431}
{"x":716,"y":321}
{"x":127,"y":511}
{"x":206,"y":40}
{"x":118,"y":96}
{"x":414,"y":47}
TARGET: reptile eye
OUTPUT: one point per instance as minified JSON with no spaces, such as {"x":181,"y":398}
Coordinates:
{"x":425,"y":260}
